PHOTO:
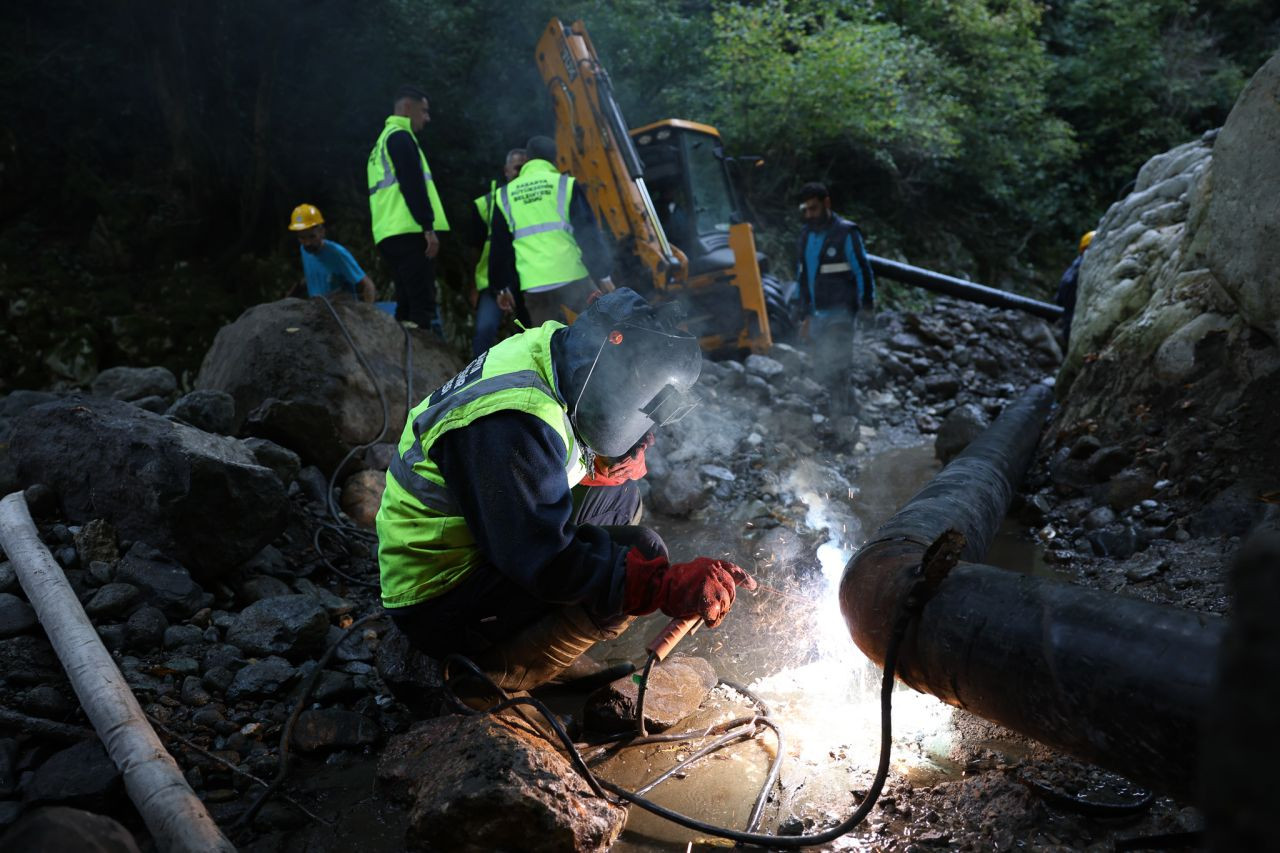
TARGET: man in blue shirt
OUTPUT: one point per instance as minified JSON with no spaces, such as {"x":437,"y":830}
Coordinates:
{"x":835,"y":282}
{"x":327,"y":267}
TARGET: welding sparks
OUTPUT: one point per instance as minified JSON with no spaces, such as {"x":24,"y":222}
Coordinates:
{"x":830,"y":707}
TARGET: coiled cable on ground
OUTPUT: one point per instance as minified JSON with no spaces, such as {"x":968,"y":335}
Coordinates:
{"x":748,"y":727}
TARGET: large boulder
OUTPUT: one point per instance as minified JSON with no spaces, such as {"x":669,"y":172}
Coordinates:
{"x":1177,"y":326}
{"x":477,"y":784}
{"x":296,"y":380}
{"x":200,"y":498}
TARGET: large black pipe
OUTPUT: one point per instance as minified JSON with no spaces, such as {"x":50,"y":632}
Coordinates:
{"x":958,"y":287}
{"x":1116,"y":681}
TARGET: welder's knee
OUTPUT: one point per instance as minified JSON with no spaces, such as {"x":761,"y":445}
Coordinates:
{"x":644,"y":539}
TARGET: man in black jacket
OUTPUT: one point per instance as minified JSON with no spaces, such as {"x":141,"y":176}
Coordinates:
{"x":835,"y":282}
{"x":405,"y":208}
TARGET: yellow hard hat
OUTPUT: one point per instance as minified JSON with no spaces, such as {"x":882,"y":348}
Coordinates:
{"x":305,"y":216}
{"x":1084,"y":241}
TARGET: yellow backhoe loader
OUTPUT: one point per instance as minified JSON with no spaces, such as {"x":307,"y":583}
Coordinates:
{"x":663,"y":191}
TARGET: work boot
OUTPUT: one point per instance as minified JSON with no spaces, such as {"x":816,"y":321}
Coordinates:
{"x":547,"y":648}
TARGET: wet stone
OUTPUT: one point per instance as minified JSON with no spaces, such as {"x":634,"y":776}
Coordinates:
{"x":335,"y":687}
{"x":290,"y":625}
{"x":41,"y":500}
{"x":334,"y":605}
{"x":353,"y":648}
{"x":676,"y":689}
{"x":334,"y":728}
{"x":478,"y":784}
{"x":260,"y":587}
{"x":177,"y":636}
{"x":763,"y":366}
{"x":112,"y":636}
{"x":680,"y":494}
{"x":1120,"y":543}
{"x":163,"y":582}
{"x":102,"y":573}
{"x":134,"y":383}
{"x":57,"y":828}
{"x":1108,"y":462}
{"x":207,"y":717}
{"x":145,"y":629}
{"x":717,"y":472}
{"x":206,"y":409}
{"x":193,"y":692}
{"x":82,"y":775}
{"x":222,"y":655}
{"x":45,"y":700}
{"x":27,"y":659}
{"x":282,"y":461}
{"x":112,"y":601}
{"x":8,"y":767}
{"x":260,"y":678}
{"x":1099,"y":517}
{"x":218,"y":679}
{"x":96,"y":540}
{"x":1137,"y":574}
{"x":16,"y":616}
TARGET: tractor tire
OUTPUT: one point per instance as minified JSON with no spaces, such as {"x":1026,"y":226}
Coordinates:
{"x":782,"y":326}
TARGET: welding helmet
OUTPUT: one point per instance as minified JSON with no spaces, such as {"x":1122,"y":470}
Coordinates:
{"x":628,"y":369}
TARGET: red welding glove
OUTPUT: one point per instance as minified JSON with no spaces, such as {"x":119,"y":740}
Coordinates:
{"x":617,"y":471}
{"x":701,"y":587}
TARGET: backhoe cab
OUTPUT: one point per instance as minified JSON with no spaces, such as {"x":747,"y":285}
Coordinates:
{"x":664,"y":193}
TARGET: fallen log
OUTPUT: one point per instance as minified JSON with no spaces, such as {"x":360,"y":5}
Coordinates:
{"x":174,"y":815}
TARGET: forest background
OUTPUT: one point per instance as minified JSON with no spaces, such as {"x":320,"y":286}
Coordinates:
{"x":151,"y":151}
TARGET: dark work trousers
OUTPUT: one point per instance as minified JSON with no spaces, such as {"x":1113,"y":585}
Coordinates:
{"x":415,"y":276}
{"x":489,"y":320}
{"x":487,"y":607}
{"x":834,"y":339}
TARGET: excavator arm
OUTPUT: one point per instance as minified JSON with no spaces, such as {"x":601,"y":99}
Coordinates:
{"x":721,"y":289}
{"x":593,"y":144}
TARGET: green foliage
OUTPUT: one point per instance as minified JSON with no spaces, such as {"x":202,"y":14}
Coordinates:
{"x":1137,"y":78}
{"x":156,"y":149}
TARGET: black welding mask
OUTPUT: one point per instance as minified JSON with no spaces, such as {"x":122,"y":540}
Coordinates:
{"x":627,"y":370}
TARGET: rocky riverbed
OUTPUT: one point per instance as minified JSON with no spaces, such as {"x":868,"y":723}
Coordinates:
{"x":218,"y":643}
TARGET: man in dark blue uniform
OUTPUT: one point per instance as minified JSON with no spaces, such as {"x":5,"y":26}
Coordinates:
{"x":835,"y":283}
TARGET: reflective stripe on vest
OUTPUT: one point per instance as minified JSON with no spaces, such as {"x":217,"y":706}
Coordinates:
{"x":387,"y":208}
{"x":547,"y":255}
{"x":425,"y":546}
{"x":484,"y":204}
{"x":824,"y":269}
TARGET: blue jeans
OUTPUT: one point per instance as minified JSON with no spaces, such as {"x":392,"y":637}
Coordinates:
{"x":488,"y":319}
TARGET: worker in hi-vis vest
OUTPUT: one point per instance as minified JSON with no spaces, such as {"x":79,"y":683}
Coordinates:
{"x":483,"y":299}
{"x":405,"y":208}
{"x":483,"y":549}
{"x":546,"y":242}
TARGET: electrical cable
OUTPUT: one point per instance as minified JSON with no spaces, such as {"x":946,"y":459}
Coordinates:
{"x":908,"y":609}
{"x":344,"y":529}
